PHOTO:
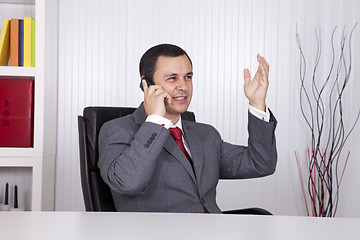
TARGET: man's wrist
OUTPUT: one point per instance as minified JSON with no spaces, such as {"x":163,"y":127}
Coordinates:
{"x":157,"y":119}
{"x":261,"y":107}
{"x":263,"y":115}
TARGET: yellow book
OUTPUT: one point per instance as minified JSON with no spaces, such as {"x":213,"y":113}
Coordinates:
{"x":27,"y":41}
{"x":5,"y":44}
{"x":33,"y":42}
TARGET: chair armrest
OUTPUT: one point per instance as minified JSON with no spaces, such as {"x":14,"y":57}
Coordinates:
{"x":250,"y":211}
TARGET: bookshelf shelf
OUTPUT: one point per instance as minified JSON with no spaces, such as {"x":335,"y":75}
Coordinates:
{"x":18,"y":1}
{"x":35,"y":167}
{"x":17,"y":162}
{"x":16,"y":152}
{"x":17,"y":71}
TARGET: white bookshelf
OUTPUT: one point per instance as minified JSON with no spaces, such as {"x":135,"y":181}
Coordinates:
{"x":37,"y":162}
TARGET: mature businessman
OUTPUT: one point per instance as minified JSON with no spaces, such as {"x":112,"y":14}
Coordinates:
{"x":154,"y":161}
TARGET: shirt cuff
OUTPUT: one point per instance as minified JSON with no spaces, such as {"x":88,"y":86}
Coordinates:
{"x":260,"y":114}
{"x":157,"y":119}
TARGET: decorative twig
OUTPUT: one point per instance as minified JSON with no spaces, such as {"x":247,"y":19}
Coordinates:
{"x":323,"y":165}
{"x":302,"y":182}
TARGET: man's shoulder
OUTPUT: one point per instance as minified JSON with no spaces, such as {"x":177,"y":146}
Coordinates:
{"x":125,"y":122}
{"x":194,"y":124}
{"x":198,"y":126}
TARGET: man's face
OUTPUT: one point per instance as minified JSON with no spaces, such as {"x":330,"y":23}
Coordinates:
{"x":174,"y":74}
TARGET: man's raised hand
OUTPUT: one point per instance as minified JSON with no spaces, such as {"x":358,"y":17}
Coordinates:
{"x":256,"y":89}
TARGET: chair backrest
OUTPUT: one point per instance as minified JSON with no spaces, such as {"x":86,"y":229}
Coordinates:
{"x":97,"y":195}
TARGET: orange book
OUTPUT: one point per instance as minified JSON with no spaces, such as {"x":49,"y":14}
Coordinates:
{"x":14,"y":42}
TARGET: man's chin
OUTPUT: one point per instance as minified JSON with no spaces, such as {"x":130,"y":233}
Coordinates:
{"x":177,"y":111}
{"x":177,"y":108}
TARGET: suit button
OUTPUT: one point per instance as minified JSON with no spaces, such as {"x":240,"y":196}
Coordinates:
{"x":153,"y":136}
{"x":146,"y":145}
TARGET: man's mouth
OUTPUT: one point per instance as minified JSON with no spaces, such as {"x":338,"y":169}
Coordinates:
{"x":179,"y":98}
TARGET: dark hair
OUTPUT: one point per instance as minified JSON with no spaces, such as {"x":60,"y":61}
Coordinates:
{"x":148,"y":61}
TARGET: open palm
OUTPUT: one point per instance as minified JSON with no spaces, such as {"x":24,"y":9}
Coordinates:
{"x":256,"y":89}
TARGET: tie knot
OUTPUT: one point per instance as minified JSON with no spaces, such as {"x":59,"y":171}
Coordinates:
{"x":175,"y":133}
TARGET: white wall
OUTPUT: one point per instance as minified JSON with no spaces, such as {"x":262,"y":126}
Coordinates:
{"x":101,"y":42}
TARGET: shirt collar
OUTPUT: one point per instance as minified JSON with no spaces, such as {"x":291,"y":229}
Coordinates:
{"x":177,"y":124}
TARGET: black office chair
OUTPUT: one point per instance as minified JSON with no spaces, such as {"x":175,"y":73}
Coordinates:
{"x":97,"y":195}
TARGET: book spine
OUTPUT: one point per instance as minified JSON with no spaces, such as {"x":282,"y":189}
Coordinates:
{"x":5,"y":43}
{"x":21,"y":42}
{"x":27,"y":42}
{"x":33,"y":42}
{"x":14,"y":42}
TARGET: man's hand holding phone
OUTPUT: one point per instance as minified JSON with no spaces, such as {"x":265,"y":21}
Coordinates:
{"x":154,"y":99}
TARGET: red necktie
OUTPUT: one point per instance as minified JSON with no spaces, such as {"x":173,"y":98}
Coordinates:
{"x":177,"y":136}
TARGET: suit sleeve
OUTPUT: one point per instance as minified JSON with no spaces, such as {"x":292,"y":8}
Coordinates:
{"x":258,"y":159}
{"x":127,"y":158}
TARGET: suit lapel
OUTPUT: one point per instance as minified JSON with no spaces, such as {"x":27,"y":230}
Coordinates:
{"x":194,"y":144}
{"x":174,"y":150}
{"x":170,"y":145}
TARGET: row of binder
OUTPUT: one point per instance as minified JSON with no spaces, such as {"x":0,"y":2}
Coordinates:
{"x":17,"y":42}
{"x":16,"y":111}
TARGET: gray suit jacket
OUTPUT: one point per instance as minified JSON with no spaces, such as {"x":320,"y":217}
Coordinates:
{"x":147,"y":171}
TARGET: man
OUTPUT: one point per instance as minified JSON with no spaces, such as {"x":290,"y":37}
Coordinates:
{"x":148,"y":170}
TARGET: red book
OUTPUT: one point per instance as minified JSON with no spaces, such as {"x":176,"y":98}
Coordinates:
{"x":16,"y":111}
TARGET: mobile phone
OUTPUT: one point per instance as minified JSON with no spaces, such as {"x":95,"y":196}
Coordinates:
{"x":149,"y":83}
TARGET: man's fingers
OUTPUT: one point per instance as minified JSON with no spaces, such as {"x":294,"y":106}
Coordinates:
{"x":145,"y":86}
{"x":247,"y":76}
{"x":157,"y":90}
{"x":263,"y":61}
{"x":263,"y":69}
{"x":161,"y":93}
{"x":266,"y":64}
{"x":264,"y":73}
{"x":258,"y":74}
{"x":153,"y":89}
{"x":168,"y":97}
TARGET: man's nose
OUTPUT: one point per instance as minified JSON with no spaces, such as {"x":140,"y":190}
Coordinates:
{"x":181,"y":84}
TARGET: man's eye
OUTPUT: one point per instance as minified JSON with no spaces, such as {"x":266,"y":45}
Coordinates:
{"x":171,"y":78}
{"x":188,"y":77}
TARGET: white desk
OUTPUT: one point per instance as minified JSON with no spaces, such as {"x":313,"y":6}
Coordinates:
{"x":109,"y":226}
